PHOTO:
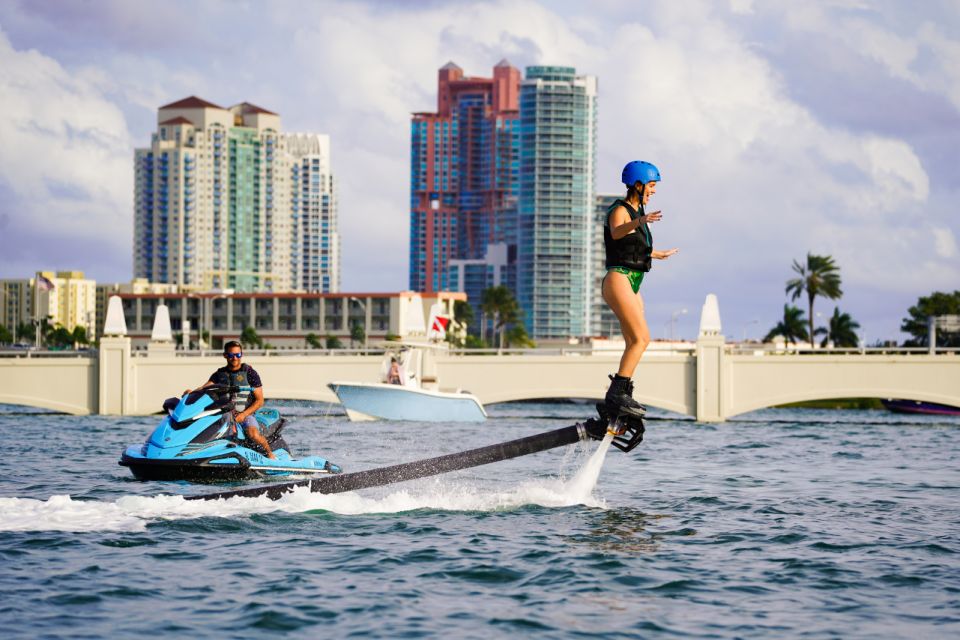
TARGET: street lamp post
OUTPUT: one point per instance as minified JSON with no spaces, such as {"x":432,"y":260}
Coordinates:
{"x":208,"y":312}
{"x":746,"y":326}
{"x":673,"y":320}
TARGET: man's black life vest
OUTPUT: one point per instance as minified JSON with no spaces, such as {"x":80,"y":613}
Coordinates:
{"x":632,"y":251}
{"x":238,"y":378}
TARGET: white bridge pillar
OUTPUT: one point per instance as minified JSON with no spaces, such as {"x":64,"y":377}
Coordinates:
{"x":114,"y":382}
{"x":710,"y":365}
{"x":711,"y":406}
{"x":114,"y":376}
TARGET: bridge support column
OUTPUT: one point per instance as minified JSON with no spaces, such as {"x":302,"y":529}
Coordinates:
{"x":114,"y":376}
{"x":711,"y":406}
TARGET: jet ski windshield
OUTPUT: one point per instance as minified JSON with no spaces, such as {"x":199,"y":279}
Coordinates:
{"x":212,"y":400}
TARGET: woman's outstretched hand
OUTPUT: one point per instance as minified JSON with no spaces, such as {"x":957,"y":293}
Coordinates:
{"x":653,"y":216}
{"x":663,"y":255}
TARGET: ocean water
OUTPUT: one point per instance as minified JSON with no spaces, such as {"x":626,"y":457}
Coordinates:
{"x":782,"y":523}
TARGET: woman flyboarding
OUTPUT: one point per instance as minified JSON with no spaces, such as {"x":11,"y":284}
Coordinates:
{"x":629,"y":250}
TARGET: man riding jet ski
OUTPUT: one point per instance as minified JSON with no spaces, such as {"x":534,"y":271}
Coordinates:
{"x":199,"y":440}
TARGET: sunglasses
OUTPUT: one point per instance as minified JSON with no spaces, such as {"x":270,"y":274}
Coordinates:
{"x":233,"y":356}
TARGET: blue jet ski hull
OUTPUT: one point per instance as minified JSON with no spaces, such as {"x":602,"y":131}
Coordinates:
{"x":198,"y":441}
{"x":226,"y":466}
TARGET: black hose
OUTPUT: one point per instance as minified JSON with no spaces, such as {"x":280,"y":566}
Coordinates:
{"x":424,"y":468}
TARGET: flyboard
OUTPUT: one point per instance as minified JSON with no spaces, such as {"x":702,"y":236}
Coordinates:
{"x":627,"y":432}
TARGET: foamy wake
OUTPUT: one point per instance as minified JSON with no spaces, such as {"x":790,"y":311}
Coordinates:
{"x":134,"y":513}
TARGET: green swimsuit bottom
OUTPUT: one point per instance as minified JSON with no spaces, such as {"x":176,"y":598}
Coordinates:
{"x":635,"y":277}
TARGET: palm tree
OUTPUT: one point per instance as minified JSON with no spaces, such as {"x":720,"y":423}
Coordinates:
{"x":842,"y":331}
{"x":499,"y":303}
{"x":517,"y":337}
{"x":251,"y":338}
{"x":791,"y":327}
{"x":820,"y":276}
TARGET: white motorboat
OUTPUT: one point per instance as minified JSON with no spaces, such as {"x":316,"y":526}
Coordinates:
{"x":401,"y":394}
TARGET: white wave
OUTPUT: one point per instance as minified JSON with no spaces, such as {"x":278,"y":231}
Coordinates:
{"x":134,"y":513}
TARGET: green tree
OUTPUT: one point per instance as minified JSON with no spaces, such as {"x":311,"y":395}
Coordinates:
{"x":842,"y":330}
{"x":333,"y":342}
{"x":26,"y":332}
{"x":936,"y":304}
{"x":313,"y":341}
{"x":820,"y":276}
{"x":790,"y":327}
{"x":517,"y":337}
{"x":498,"y":303}
{"x":475,"y":342}
{"x":463,"y":312}
{"x":249,"y":336}
{"x":79,"y":335}
{"x":5,"y":336}
{"x":59,"y":337}
{"x":358,"y":334}
{"x":462,"y":318}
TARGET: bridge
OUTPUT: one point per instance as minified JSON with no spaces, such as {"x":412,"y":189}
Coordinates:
{"x":712,"y":381}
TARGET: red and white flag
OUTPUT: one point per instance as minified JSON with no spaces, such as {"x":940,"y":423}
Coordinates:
{"x":438,"y":323}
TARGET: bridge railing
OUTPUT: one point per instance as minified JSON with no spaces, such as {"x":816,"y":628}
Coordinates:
{"x":43,"y":353}
{"x":272,"y":353}
{"x":771,"y":350}
{"x":730,"y":348}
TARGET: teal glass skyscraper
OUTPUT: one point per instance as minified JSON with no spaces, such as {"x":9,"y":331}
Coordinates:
{"x":555,"y":274}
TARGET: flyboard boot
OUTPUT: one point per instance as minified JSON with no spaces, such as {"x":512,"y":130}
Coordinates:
{"x":619,"y":399}
{"x":623,"y":414}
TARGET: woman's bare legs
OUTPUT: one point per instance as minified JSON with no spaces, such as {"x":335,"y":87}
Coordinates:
{"x":628,"y":307}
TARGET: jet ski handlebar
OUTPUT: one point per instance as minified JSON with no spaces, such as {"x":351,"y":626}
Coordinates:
{"x":222,"y":388}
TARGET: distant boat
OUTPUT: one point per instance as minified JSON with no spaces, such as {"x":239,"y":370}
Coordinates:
{"x":408,"y":385}
{"x":373,"y":400}
{"x":916,"y":406}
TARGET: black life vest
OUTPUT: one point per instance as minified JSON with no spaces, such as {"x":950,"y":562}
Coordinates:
{"x":238,"y":379}
{"x":632,"y":251}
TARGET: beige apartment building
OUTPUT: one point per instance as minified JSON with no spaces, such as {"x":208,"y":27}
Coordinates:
{"x":65,"y":298}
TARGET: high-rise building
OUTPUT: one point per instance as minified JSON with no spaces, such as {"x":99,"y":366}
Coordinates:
{"x":222,"y":202}
{"x":17,"y":303}
{"x":316,"y":239}
{"x":463,"y":173}
{"x":474,"y":276}
{"x":63,"y":298}
{"x":555,"y":270}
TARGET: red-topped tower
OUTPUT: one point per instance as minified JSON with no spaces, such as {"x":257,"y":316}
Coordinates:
{"x":463,"y":173}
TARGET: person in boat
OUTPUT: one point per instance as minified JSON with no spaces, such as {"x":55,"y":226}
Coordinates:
{"x":393,"y":377}
{"x":629,"y":252}
{"x":240,"y":374}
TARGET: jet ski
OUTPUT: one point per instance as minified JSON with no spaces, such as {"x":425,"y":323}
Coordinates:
{"x":198,"y":440}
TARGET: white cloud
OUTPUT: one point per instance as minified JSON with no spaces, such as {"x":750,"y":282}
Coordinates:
{"x":945,"y":243}
{"x":66,"y":152}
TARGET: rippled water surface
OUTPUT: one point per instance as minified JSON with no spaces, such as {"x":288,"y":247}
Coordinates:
{"x":785,"y":523}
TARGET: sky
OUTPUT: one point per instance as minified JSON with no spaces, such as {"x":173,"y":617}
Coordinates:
{"x":780,"y":128}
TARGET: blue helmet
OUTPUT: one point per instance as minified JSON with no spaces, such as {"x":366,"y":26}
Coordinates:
{"x":641,"y":171}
